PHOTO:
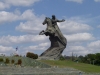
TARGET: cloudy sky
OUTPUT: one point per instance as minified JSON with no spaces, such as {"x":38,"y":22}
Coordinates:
{"x":21,"y":22}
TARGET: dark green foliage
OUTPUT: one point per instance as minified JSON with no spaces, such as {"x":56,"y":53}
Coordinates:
{"x":19,"y":62}
{"x":80,"y":58}
{"x":90,"y":59}
{"x":1,"y":59}
{"x":12,"y":61}
{"x":7,"y":61}
{"x":32,"y":55}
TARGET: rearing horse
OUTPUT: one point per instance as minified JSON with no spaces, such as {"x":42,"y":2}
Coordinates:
{"x":58,"y":42}
{"x":50,"y":28}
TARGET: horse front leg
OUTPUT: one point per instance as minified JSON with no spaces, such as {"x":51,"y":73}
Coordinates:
{"x":42,"y":32}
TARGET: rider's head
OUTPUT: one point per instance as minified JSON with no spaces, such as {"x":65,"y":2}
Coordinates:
{"x":53,"y":17}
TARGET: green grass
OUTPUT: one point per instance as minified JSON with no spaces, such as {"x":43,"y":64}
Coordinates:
{"x":64,"y":64}
{"x":25,"y":62}
{"x":80,"y":66}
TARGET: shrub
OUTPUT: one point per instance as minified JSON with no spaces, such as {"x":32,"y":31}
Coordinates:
{"x":16,"y":55}
{"x":12,"y":61}
{"x":1,"y":59}
{"x":7,"y":61}
{"x":31,"y":55}
{"x":36,"y":56}
{"x":19,"y":62}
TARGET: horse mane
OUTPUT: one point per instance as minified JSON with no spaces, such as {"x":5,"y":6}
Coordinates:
{"x":48,"y":18}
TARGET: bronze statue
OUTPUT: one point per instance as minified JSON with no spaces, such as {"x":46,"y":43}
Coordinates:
{"x":58,"y":41}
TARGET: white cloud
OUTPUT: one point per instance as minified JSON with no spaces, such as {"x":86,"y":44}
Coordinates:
{"x":21,"y":2}
{"x":41,"y":46}
{"x":11,"y":16}
{"x":28,"y":15}
{"x":73,"y":27}
{"x":76,"y":50}
{"x":33,"y":23}
{"x":94,"y":47}
{"x":17,"y":15}
{"x":4,"y":49}
{"x":97,"y":0}
{"x":8,"y":16}
{"x":3,"y":6}
{"x":44,"y":44}
{"x":79,"y":37}
{"x":11,"y":40}
{"x":8,"y":3}
{"x":95,"y":44}
{"x":31,"y":27}
{"x":78,"y":1}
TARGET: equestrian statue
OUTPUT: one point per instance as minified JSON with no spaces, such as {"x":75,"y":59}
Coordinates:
{"x":58,"y":41}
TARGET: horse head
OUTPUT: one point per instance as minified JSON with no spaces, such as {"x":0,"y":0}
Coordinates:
{"x":46,"y":20}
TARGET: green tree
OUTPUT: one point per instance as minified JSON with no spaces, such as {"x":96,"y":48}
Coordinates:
{"x":31,"y":55}
{"x":91,"y":59}
{"x":81,"y":58}
{"x":1,"y":59}
{"x":97,"y":59}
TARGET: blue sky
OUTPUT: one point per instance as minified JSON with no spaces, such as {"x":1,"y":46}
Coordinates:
{"x":21,"y":22}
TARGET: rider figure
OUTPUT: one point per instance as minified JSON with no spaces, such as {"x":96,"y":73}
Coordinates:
{"x":54,"y":23}
{"x":54,"y":20}
{"x":58,"y":32}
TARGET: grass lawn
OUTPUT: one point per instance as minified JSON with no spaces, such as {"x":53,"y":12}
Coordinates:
{"x":80,"y":66}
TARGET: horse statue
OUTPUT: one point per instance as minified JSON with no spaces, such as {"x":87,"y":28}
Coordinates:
{"x":58,"y":41}
{"x":50,"y":29}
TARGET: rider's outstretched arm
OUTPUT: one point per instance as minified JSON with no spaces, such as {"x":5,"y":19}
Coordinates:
{"x":61,"y":20}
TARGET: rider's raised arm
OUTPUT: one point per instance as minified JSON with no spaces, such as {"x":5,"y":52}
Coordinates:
{"x":61,"y":20}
